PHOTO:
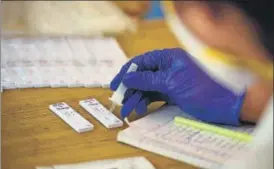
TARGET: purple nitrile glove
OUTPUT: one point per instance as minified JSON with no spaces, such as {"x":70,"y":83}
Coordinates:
{"x":173,"y":76}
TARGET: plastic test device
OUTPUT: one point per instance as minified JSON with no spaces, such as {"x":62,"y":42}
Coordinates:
{"x":118,"y":95}
{"x":71,"y":117}
{"x":107,"y":118}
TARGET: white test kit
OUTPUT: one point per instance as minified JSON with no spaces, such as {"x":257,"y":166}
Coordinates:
{"x":15,"y":76}
{"x":118,"y":95}
{"x":25,"y":82}
{"x":36,"y":77}
{"x":59,"y":77}
{"x":103,"y":115}
{"x":6,"y":81}
{"x":71,"y":117}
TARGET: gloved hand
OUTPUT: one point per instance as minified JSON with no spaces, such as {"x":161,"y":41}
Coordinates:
{"x":171,"y":75}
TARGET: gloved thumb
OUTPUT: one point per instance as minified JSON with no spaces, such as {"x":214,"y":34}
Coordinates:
{"x":146,"y":81}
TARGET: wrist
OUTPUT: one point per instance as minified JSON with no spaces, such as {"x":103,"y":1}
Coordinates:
{"x":257,"y":97}
{"x":259,"y":63}
{"x":224,"y":111}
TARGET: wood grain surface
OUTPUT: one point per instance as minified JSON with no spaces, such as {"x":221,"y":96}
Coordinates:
{"x":33,"y":136}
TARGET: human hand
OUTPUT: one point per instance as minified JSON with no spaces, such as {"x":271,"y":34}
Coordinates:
{"x":171,"y":75}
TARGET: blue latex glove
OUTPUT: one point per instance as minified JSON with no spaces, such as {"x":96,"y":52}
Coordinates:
{"x":171,"y":75}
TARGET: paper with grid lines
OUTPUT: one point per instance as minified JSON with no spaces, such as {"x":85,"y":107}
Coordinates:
{"x":59,"y":62}
{"x":158,"y":133}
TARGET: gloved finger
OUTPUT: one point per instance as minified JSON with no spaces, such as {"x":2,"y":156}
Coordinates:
{"x":147,"y":81}
{"x":118,"y":78}
{"x":131,"y":103}
{"x":142,"y":106}
{"x":128,"y":94}
{"x":157,"y":59}
{"x":152,"y":61}
{"x":146,"y":100}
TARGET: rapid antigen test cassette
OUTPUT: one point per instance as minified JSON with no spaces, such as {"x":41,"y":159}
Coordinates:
{"x":97,"y":110}
{"x":71,"y":117}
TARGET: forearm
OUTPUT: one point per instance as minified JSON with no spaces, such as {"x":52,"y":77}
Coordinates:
{"x":257,"y":97}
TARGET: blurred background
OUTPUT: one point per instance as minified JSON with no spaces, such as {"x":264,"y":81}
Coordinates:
{"x":76,"y":17}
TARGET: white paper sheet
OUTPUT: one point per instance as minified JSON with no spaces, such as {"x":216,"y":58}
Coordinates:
{"x":157,"y":133}
{"x":123,"y":163}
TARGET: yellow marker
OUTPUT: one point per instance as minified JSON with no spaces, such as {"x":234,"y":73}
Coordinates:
{"x":215,"y":129}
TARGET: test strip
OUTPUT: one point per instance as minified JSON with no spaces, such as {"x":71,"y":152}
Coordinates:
{"x":14,"y":76}
{"x":57,"y":77}
{"x":71,"y":117}
{"x":65,"y":77}
{"x":36,"y":77}
{"x":92,"y":76}
{"x":97,"y":110}
{"x":76,"y":76}
{"x":48,"y":76}
{"x":25,"y":81}
{"x":6,"y":81}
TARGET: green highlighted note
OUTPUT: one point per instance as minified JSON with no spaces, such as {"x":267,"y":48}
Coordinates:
{"x":214,"y":129}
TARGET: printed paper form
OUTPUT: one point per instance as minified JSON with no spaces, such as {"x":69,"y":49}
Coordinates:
{"x":157,"y":133}
{"x":125,"y":163}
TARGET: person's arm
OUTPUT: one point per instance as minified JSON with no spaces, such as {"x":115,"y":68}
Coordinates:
{"x":196,"y":15}
{"x":257,"y":97}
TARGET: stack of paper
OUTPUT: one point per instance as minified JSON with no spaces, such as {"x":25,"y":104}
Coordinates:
{"x":125,"y":163}
{"x":59,"y":62}
{"x":158,"y":133}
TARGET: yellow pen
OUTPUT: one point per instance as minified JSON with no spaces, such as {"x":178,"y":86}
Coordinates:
{"x":245,"y":137}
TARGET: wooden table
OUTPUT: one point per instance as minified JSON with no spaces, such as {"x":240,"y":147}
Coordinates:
{"x":33,"y":136}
